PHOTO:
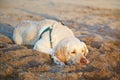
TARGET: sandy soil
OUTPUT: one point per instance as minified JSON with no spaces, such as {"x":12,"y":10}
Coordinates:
{"x":96,"y":22}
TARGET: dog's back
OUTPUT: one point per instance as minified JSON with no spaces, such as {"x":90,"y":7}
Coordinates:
{"x":27,"y":32}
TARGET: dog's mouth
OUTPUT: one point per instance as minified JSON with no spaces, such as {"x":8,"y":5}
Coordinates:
{"x":84,"y":61}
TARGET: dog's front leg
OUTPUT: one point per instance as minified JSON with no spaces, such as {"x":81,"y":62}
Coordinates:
{"x":57,"y":61}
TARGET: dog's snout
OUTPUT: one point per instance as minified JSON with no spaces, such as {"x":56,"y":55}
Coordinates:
{"x":84,"y":61}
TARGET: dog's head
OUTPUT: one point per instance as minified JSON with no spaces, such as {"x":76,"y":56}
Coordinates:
{"x":72,"y":51}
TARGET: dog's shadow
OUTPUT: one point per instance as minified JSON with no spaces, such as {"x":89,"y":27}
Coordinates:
{"x":6,"y":30}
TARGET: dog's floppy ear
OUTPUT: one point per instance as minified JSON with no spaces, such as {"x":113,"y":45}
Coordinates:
{"x":85,"y":50}
{"x":61,"y":54}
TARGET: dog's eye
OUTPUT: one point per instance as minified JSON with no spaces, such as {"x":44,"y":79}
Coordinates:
{"x":73,"y":52}
{"x":82,"y":50}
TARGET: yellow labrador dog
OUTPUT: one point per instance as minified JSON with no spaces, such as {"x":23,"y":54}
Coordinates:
{"x":52,"y":37}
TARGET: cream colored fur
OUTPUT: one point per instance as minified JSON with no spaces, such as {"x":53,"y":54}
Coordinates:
{"x":63,"y":40}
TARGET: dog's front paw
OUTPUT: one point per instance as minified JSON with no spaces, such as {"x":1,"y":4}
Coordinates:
{"x":57,"y":61}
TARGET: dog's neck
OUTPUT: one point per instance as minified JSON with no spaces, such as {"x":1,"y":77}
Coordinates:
{"x":50,"y":38}
{"x":49,"y":28}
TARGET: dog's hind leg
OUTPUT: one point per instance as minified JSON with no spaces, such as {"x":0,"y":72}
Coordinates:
{"x":17,"y":38}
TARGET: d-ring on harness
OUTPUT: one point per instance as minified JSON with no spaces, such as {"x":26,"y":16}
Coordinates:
{"x":49,"y":28}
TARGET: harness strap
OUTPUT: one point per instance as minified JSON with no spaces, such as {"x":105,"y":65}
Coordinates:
{"x":50,"y":34}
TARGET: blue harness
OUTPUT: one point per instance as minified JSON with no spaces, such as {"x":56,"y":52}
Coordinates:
{"x":50,"y":36}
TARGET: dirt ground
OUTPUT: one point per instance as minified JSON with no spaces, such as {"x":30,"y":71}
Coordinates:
{"x":96,"y":22}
